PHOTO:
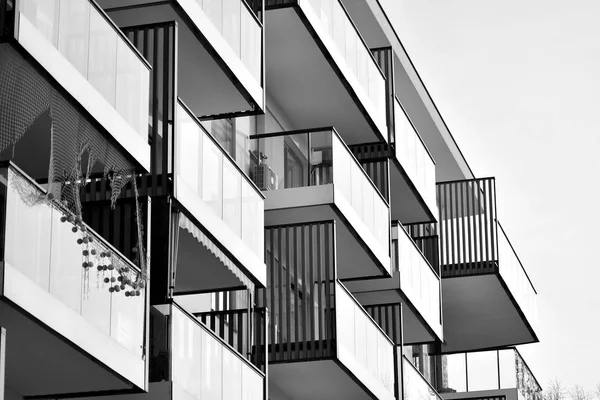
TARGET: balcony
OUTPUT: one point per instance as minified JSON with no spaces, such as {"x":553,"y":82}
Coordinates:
{"x":414,"y":283}
{"x":488,"y":374}
{"x":88,"y":58}
{"x":322,"y":343}
{"x":316,"y":53}
{"x":54,"y":309}
{"x":312,"y":176}
{"x":489,"y":300}
{"x":404,"y":170}
{"x":219,"y":50}
{"x":219,"y":205}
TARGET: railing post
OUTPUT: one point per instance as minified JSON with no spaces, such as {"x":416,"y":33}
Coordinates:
{"x":2,"y":360}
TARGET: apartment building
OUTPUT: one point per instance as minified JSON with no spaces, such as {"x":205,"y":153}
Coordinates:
{"x":231,"y":199}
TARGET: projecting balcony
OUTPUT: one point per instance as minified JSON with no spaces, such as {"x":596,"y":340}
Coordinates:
{"x":489,"y":301}
{"x":414,"y":283}
{"x":87,"y":57}
{"x":498,"y":374}
{"x":319,"y":69}
{"x":221,"y":225}
{"x":322,"y":343}
{"x":404,"y":170}
{"x":312,"y":176}
{"x":219,"y":49}
{"x":55,"y":309}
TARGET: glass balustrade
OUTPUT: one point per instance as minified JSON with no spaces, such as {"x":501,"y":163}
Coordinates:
{"x":205,"y":367}
{"x":418,"y":281}
{"x":414,"y":157}
{"x":359,"y":338}
{"x":352,"y":49}
{"x":415,"y":385}
{"x":240,"y":29}
{"x":43,"y":247}
{"x":96,"y":48}
{"x":206,"y":170}
{"x":320,"y":157}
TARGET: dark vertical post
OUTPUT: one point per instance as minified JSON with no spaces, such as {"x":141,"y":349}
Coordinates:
{"x":2,"y":360}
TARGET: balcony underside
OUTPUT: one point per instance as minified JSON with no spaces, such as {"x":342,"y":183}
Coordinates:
{"x":480,"y":313}
{"x":41,"y":362}
{"x":415,"y":329}
{"x":499,"y":394}
{"x":310,"y":380}
{"x":310,"y":204}
{"x":302,"y":81}
{"x":208,"y":84}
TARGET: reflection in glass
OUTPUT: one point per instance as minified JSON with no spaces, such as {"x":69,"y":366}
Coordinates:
{"x":73,"y":40}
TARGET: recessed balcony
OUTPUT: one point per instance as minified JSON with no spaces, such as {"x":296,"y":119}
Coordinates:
{"x":322,"y":343}
{"x":312,"y":176}
{"x":414,"y":283}
{"x":489,"y":300}
{"x":415,"y":385}
{"x":497,"y":373}
{"x":55,"y":309}
{"x":219,"y":50}
{"x":319,"y":69}
{"x":87,"y":57}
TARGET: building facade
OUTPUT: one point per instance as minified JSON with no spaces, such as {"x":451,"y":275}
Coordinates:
{"x":242,"y":199}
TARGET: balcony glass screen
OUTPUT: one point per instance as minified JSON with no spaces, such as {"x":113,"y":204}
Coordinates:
{"x":351,"y":48}
{"x":92,"y":44}
{"x":415,"y":386}
{"x":217,"y":182}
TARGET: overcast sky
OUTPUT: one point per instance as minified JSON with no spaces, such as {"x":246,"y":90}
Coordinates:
{"x":518,"y":83}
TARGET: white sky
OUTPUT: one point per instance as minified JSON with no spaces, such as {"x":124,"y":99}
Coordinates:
{"x":518,"y":83}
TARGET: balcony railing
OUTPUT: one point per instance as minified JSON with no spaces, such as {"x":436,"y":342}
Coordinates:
{"x":319,"y":157}
{"x":204,"y":365}
{"x":418,"y":280}
{"x":205,"y":171}
{"x":473,"y":242}
{"x":351,"y":47}
{"x":240,"y":28}
{"x":90,"y":41}
{"x":40,"y":244}
{"x":416,"y":386}
{"x":488,"y":370}
{"x":414,"y":156}
{"x":313,"y":316}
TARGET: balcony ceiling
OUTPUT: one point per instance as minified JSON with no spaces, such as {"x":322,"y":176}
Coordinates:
{"x":406,"y":202}
{"x":479,"y":314}
{"x":302,"y":82}
{"x":40,"y":362}
{"x":313,"y":380}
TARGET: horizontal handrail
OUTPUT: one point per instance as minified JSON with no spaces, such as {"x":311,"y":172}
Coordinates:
{"x":415,"y":129}
{"x":11,"y":165}
{"x":251,"y":11}
{"x":225,"y":154}
{"x":325,"y":129}
{"x":216,"y":337}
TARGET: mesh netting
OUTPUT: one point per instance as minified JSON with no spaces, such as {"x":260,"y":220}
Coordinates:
{"x":76,"y":146}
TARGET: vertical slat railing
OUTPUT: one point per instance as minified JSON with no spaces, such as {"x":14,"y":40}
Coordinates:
{"x":385,"y":59}
{"x":467,"y":227}
{"x":158,"y":44}
{"x":427,"y":240}
{"x":389,"y":319}
{"x":300,"y":275}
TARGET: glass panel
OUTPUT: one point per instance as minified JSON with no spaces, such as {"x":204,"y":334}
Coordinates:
{"x":214,"y":12}
{"x":73,"y":37}
{"x":414,"y":157}
{"x":29,"y":226}
{"x":508,"y":377}
{"x":232,"y":198}
{"x":456,"y":370}
{"x":189,"y":145}
{"x":95,"y":306}
{"x":212,"y":182}
{"x":351,"y":47}
{"x":212,"y":367}
{"x":252,"y":219}
{"x":231,"y":24}
{"x":321,"y":159}
{"x":482,"y":370}
{"x":127,"y":323}
{"x":232,"y":376}
{"x":103,"y":60}
{"x":43,"y":14}
{"x":339,"y":28}
{"x":251,"y":46}
{"x":186,"y":353}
